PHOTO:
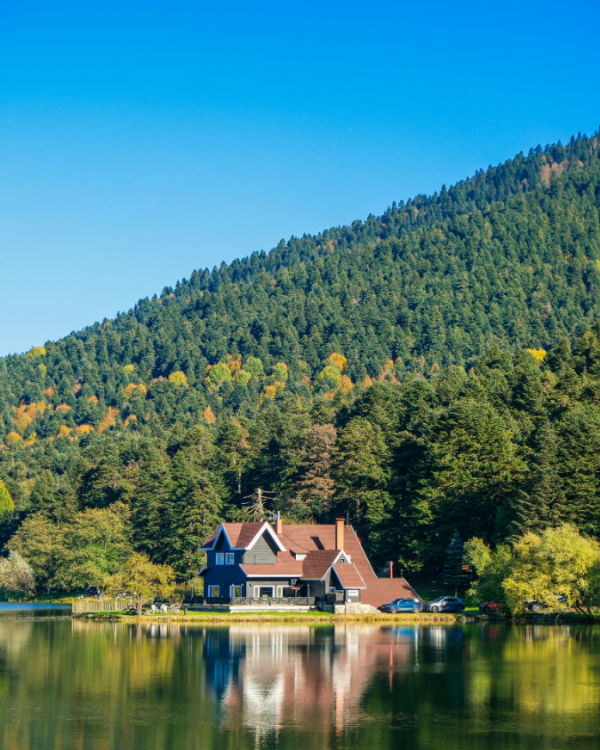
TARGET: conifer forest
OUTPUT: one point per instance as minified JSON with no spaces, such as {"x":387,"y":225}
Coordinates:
{"x":432,"y":370}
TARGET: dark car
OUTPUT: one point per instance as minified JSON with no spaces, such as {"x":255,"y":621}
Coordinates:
{"x":403,"y":605}
{"x":536,"y":606}
{"x":445,"y":604}
{"x":488,"y":607}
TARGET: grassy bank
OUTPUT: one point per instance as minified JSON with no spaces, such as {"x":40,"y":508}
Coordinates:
{"x":305,"y":617}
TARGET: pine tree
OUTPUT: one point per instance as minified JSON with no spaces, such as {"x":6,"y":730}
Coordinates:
{"x":152,"y":517}
{"x":456,"y":572}
{"x":198,"y":509}
{"x":315,"y":486}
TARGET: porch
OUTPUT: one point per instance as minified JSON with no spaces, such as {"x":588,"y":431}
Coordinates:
{"x":253,"y":604}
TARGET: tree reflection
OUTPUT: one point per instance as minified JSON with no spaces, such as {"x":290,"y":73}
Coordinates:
{"x":83,"y":684}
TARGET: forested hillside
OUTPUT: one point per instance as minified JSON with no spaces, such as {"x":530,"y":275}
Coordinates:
{"x":379,"y":370}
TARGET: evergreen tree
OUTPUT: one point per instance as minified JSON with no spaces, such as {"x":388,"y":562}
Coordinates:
{"x":314,"y":487}
{"x":456,"y":569}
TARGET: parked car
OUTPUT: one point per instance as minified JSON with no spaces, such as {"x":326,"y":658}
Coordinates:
{"x":488,"y":607}
{"x":403,"y":605}
{"x":445,"y":604}
{"x":536,"y":606}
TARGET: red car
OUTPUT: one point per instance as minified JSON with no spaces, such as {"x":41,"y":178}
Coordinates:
{"x":487,"y":607}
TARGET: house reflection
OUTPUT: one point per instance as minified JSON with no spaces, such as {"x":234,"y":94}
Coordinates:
{"x":269,"y":678}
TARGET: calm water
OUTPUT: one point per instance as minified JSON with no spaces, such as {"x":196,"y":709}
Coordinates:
{"x":85,"y":685}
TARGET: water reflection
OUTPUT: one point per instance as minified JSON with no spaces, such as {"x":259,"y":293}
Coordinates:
{"x":82,"y":684}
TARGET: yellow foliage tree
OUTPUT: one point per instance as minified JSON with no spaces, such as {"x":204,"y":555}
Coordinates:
{"x":30,"y":440}
{"x":64,"y":431}
{"x":539,"y":354}
{"x":129,"y":368}
{"x":108,"y":421}
{"x":83,"y":429}
{"x":331,"y":376}
{"x":367,"y":381}
{"x":234,"y":364}
{"x":338,"y":361}
{"x":217,"y":375}
{"x":178,"y":379}
{"x":135,"y":389}
{"x":346,"y":385}
{"x":551,"y":565}
{"x":36,"y":351}
{"x":131,"y":419}
{"x":280,"y":372}
{"x":93,"y":399}
{"x":209,"y":415}
{"x":25,"y":414}
{"x":64,"y":408}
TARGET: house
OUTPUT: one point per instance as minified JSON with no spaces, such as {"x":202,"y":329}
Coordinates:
{"x":325,"y":563}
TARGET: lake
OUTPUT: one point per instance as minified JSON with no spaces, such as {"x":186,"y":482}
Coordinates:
{"x":75,"y":684}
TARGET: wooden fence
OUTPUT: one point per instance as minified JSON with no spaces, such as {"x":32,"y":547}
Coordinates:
{"x":264,"y":601}
{"x":99,"y":605}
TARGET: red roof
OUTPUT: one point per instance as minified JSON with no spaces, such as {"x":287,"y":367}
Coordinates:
{"x":383,"y":590}
{"x":240,"y":534}
{"x":317,"y":563}
{"x":349,"y":576}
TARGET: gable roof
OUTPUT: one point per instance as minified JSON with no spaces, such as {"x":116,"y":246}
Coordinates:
{"x":349,"y":576}
{"x":317,"y":563}
{"x":243,"y":535}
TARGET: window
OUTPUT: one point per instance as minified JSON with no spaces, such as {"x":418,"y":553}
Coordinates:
{"x":352,"y":592}
{"x":265,"y":592}
{"x":219,"y":558}
{"x":229,"y":558}
{"x":236,"y":591}
{"x":213,"y":591}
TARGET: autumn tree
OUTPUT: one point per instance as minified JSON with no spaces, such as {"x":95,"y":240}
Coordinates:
{"x":142,"y":580}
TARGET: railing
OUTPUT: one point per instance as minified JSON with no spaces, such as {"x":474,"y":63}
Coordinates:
{"x":99,"y":605}
{"x":263,"y":601}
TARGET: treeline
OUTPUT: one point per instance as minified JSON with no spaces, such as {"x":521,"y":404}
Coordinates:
{"x":509,"y":258}
{"x":508,"y":447}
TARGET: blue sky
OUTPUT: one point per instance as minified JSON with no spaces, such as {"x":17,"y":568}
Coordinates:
{"x":142,"y":140}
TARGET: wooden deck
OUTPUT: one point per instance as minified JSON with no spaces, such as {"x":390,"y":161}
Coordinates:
{"x":99,"y":605}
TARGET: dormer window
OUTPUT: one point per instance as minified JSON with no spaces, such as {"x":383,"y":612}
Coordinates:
{"x":219,"y":558}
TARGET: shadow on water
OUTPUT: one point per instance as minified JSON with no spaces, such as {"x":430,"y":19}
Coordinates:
{"x":72,"y":684}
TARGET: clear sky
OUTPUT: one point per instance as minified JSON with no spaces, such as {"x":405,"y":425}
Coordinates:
{"x":142,"y":140}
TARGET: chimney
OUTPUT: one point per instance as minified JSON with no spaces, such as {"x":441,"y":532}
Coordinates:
{"x":278,"y":523}
{"x":339,"y":533}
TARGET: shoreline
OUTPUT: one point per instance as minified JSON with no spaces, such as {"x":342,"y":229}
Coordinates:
{"x":569,"y":618}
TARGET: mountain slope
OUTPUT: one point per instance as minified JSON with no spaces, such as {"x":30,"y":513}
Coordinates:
{"x":509,"y":258}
